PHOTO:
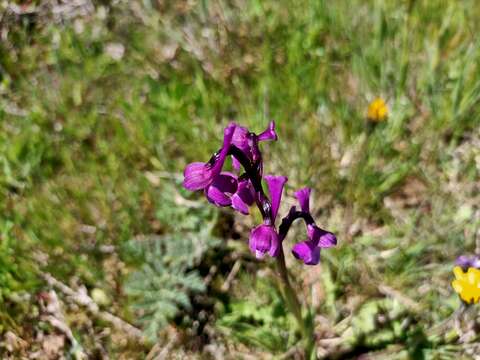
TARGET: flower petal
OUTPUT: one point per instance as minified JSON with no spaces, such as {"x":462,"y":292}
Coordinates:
{"x":269,"y":133}
{"x":307,"y":251}
{"x":197,"y":176}
{"x":466,"y":262}
{"x":243,"y":197}
{"x":219,"y":192}
{"x":467,"y":284}
{"x":240,"y":138}
{"x":320,"y":237}
{"x":275,"y":188}
{"x":227,"y":140}
{"x":303,"y":197}
{"x":239,"y":205}
{"x":274,"y":246}
{"x":236,"y":164}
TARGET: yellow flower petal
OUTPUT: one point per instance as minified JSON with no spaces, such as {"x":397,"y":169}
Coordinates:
{"x":377,"y":110}
{"x":457,"y":286}
{"x":467,"y":284}
{"x":458,"y":272}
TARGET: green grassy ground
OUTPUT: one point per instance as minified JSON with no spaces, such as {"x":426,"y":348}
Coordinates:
{"x":100,"y":112}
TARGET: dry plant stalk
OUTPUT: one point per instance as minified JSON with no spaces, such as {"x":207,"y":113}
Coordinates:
{"x":81,"y":298}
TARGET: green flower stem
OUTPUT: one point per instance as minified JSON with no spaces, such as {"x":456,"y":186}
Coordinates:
{"x":294,"y":305}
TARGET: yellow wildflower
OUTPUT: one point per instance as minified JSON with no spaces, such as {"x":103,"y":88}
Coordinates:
{"x":467,"y":284}
{"x":377,"y":110}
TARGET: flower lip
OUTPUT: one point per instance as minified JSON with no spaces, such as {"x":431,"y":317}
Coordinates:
{"x":263,"y":239}
{"x":228,"y":190}
{"x":307,"y":251}
{"x":243,"y":197}
{"x":223,"y":186}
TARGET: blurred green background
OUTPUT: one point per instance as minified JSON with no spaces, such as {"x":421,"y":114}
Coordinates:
{"x":102,"y":104}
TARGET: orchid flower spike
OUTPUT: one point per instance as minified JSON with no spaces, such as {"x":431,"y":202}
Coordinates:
{"x":240,"y":191}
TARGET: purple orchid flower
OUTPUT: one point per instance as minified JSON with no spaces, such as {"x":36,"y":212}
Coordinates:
{"x":243,"y":197}
{"x":223,"y":188}
{"x":309,"y":251}
{"x":239,"y":192}
{"x":198,"y":175}
{"x":247,"y":142}
{"x":220,"y":191}
{"x":264,"y":237}
{"x":269,"y":133}
{"x":226,"y":189}
{"x":242,"y":137}
{"x":466,"y":262}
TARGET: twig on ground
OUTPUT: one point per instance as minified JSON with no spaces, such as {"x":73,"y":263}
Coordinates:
{"x":82,"y":298}
{"x":231,"y":276}
{"x":211,"y":273}
{"x":403,"y":299}
{"x":54,"y":315}
{"x":153,"y":351}
{"x":159,"y":353}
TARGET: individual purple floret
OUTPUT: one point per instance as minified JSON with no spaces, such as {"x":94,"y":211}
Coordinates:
{"x":264,"y":238}
{"x":240,"y":191}
{"x":247,"y":142}
{"x":243,"y":197}
{"x":466,"y":262}
{"x":309,"y":251}
{"x":227,"y":190}
{"x":197,"y":175}
{"x":269,"y":133}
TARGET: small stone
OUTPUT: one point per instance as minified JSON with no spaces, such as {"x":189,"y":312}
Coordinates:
{"x":100,"y":297}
